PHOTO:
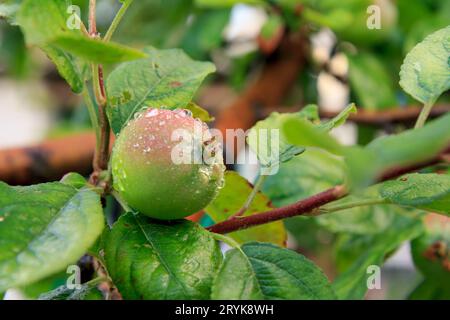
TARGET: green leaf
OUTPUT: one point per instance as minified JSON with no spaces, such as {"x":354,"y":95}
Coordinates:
{"x":236,"y":279}
{"x":300,"y":132}
{"x":265,"y":271}
{"x":412,"y":146}
{"x":66,"y":66}
{"x":267,"y":140}
{"x":161,"y":260}
{"x":368,"y":75}
{"x":44,"y":23}
{"x":169,"y":78}
{"x":203,"y":35}
{"x":44,"y":228}
{"x":310,"y":112}
{"x":400,"y":150}
{"x":96,"y":50}
{"x":426,"y":191}
{"x":340,"y":119}
{"x":429,"y":290}
{"x":352,"y":284}
{"x":230,"y":200}
{"x":425,"y":73}
{"x":199,"y":113}
{"x":74,"y":179}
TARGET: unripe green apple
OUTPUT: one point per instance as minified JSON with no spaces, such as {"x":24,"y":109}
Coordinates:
{"x":166,"y":164}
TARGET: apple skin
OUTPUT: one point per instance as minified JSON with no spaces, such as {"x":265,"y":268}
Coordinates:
{"x":150,"y":181}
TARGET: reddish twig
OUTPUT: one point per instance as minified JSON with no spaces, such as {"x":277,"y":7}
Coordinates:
{"x":311,"y":204}
{"x":101,"y":155}
{"x":295,"y":209}
{"x":92,"y":20}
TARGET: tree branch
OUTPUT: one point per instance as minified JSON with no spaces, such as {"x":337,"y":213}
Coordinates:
{"x":92,"y":20}
{"x":295,"y":209}
{"x":101,"y":155}
{"x":310,"y":205}
{"x":48,"y":161}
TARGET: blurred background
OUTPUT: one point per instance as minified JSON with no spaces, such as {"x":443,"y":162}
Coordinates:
{"x":270,"y":56}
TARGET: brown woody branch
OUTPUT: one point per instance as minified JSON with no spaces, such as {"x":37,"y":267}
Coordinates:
{"x":311,"y":204}
{"x":48,"y":161}
{"x":101,"y":154}
{"x":295,"y":209}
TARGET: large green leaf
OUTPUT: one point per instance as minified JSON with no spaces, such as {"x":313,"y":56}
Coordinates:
{"x":404,"y":149}
{"x":265,"y":271}
{"x":44,"y":228}
{"x":168,"y":78}
{"x":155,"y":260}
{"x":230,"y":200}
{"x":44,"y":23}
{"x":426,"y":191}
{"x":236,"y":279}
{"x":425,"y":73}
{"x":97,"y":50}
{"x":412,"y":146}
{"x":352,"y":283}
